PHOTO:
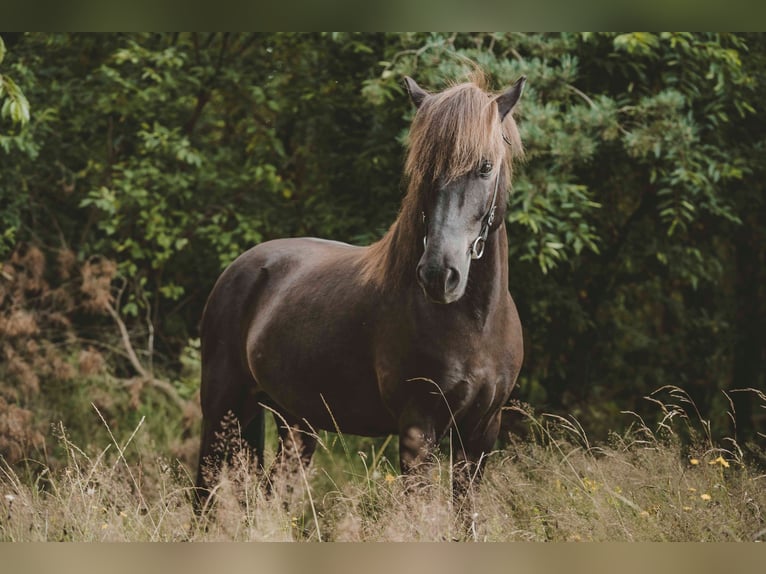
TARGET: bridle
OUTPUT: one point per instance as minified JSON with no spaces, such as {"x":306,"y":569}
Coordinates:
{"x":478,"y":244}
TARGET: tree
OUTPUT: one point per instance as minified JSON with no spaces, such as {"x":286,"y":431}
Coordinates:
{"x":636,"y":252}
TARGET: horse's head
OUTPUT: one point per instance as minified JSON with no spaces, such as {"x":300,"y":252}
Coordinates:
{"x":460,"y":166}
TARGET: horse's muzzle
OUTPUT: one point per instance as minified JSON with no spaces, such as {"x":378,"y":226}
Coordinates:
{"x":441,"y":284}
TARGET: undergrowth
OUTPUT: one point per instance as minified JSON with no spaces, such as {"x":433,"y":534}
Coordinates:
{"x":667,"y":483}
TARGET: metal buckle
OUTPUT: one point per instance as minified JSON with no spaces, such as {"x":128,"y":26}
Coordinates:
{"x":477,"y":247}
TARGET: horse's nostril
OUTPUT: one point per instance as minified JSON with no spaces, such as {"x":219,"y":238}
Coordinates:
{"x":451,"y":279}
{"x":421,"y":273}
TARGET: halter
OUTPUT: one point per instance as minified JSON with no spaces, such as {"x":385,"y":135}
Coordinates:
{"x":477,"y":247}
{"x":478,"y":244}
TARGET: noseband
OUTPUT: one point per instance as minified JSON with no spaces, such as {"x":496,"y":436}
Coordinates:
{"x":478,"y":244}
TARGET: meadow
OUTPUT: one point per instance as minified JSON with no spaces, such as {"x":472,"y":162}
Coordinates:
{"x":672,"y":482}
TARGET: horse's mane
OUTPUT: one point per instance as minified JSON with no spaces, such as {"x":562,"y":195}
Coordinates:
{"x":452,"y":133}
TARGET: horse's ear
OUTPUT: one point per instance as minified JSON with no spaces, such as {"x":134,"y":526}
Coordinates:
{"x":507,"y":100}
{"x":417,"y":94}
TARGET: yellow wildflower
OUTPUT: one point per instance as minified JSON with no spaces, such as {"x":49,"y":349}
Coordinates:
{"x":706,"y":497}
{"x":590,"y":485}
{"x":720,"y":460}
{"x":694,"y":461}
{"x":390,"y":478}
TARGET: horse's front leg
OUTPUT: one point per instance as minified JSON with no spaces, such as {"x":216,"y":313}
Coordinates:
{"x":470,"y":459}
{"x":417,"y":442}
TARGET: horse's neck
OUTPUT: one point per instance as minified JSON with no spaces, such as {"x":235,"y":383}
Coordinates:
{"x":488,"y":278}
{"x":390,"y":263}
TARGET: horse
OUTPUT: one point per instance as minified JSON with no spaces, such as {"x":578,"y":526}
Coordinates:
{"x":413,"y":335}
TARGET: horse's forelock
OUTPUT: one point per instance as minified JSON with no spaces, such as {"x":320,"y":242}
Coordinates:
{"x":454,"y":131}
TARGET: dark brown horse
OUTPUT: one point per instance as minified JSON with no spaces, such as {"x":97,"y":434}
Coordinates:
{"x":413,"y":335}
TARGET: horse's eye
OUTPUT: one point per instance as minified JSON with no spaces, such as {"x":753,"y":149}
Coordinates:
{"x":486,"y":168}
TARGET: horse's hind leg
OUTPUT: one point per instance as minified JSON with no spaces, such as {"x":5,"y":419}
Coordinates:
{"x":255,"y":437}
{"x":231,"y":434}
{"x":289,"y":473}
{"x":228,"y":443}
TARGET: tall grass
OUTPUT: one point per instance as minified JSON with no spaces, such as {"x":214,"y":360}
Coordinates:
{"x":670,"y":482}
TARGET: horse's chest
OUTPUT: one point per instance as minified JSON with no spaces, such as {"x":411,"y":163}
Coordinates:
{"x":467,"y":370}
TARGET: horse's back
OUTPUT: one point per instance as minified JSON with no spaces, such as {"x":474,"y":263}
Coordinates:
{"x":278,"y":259}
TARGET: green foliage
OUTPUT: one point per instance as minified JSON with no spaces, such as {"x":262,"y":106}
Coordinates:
{"x":15,"y":106}
{"x":14,"y":109}
{"x":635,"y":247}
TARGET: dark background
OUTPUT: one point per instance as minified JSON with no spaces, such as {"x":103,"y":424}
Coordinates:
{"x":147,"y":162}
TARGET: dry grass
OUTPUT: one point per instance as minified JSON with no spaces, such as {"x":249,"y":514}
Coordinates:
{"x":644,"y":485}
